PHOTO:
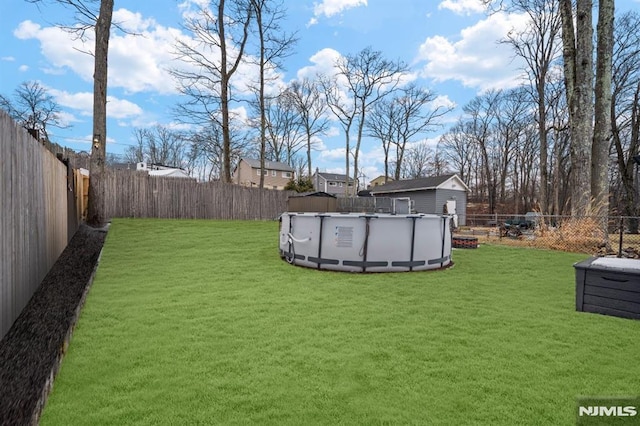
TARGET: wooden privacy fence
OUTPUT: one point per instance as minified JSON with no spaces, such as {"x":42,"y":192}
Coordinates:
{"x":37,"y":216}
{"x":136,"y":194}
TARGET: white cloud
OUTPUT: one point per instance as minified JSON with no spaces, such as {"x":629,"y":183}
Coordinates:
{"x":477,"y":59}
{"x":463,"y":7}
{"x":132,"y":21}
{"x":333,"y":154}
{"x":8,"y":58}
{"x":141,"y":62}
{"x":83,"y":102}
{"x":192,"y":8}
{"x":323,"y":63}
{"x":329,"y":8}
{"x":137,"y":62}
{"x":333,"y":131}
{"x":67,"y":119}
{"x":23,"y":68}
{"x":61,"y":49}
{"x":443,"y":101}
{"x":121,"y":108}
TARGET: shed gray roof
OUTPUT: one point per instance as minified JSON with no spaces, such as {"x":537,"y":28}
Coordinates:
{"x":270,"y":165}
{"x":411,"y":184}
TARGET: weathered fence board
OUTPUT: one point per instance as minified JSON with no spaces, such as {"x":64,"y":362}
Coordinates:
{"x":34,"y":225}
{"x":136,"y":194}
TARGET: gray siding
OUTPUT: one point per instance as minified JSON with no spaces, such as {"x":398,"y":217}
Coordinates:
{"x":322,"y":184}
{"x":424,"y":201}
{"x":442,"y":195}
{"x":433,"y":201}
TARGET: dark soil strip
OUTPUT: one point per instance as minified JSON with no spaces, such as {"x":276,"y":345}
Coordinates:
{"x":30,"y":353}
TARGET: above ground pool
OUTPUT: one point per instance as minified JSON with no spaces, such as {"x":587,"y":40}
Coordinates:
{"x":359,"y":242}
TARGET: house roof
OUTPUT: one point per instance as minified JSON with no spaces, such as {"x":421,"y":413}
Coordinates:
{"x":169,"y":173}
{"x":122,"y":166}
{"x":418,"y":184}
{"x":381,"y":177}
{"x":313,"y":194}
{"x":271,"y":165}
{"x":335,"y":177}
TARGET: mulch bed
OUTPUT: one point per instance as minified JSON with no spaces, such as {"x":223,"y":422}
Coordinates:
{"x":31,"y":351}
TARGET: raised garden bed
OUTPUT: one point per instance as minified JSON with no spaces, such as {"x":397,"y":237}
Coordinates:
{"x":31,"y":351}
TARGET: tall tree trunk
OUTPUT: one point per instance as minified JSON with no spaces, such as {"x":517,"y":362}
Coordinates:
{"x":308,"y":155}
{"x":263,"y":120}
{"x":578,"y":65}
{"x":97,"y":206}
{"x":602,"y":126}
{"x":356,"y":156}
{"x":224,"y":97}
{"x":225,"y":78}
{"x":544,"y":147}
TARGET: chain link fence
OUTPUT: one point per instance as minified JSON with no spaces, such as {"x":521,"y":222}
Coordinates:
{"x":599,"y":236}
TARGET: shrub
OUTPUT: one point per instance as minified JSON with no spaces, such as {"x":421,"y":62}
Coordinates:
{"x":300,"y":185}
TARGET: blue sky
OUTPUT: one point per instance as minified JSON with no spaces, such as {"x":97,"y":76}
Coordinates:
{"x":451,"y":46}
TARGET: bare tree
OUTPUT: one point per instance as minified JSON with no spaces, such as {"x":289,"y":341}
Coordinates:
{"x":345,"y":110}
{"x":96,"y":208}
{"x":579,"y":76}
{"x":481,"y":113}
{"x":382,"y":125}
{"x":560,"y":138}
{"x":285,"y":135}
{"x":34,"y":109}
{"x":219,"y":39}
{"x":299,"y":164}
{"x":408,"y":114}
{"x":417,"y":115}
{"x":274,"y":45}
{"x":311,"y":106}
{"x":368,"y":77}
{"x":538,"y":45}
{"x":456,"y":148}
{"x":160,"y":145}
{"x":625,"y":110}
{"x":577,"y":42}
{"x":100,"y":22}
{"x":136,"y":153}
{"x":602,"y":110}
{"x":207,"y":151}
{"x":511,"y":126}
{"x":419,"y":161}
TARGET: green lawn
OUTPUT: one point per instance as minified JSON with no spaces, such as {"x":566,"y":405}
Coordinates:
{"x":201,"y":322}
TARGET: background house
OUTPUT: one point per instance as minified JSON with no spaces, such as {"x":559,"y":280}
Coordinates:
{"x":152,"y":169}
{"x":331,"y":183}
{"x":161,"y":170}
{"x":379,"y":181}
{"x":276,"y":174}
{"x":430,"y":195}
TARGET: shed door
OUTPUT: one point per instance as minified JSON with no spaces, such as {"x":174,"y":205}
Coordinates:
{"x":451,"y":206}
{"x":451,"y":209}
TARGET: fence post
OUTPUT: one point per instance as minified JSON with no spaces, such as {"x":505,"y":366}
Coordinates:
{"x":621,"y":236}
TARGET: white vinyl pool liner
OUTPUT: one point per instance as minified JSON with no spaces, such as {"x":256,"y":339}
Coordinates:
{"x":358,"y":242}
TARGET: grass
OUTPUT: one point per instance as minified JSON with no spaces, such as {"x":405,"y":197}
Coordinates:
{"x":200,"y":322}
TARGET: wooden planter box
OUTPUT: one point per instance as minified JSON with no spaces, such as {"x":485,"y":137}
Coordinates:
{"x":609,"y":286}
